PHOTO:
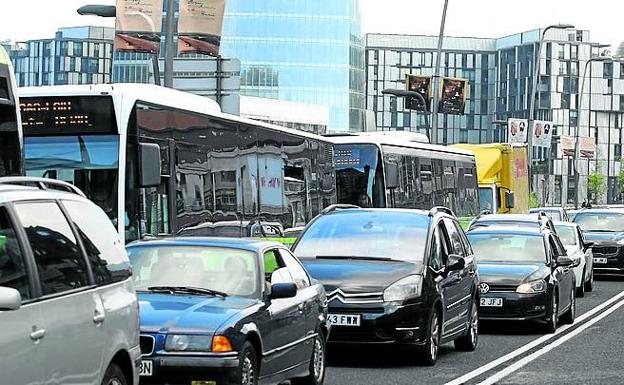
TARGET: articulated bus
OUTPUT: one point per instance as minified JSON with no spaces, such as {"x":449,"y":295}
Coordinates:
{"x":11,"y":155}
{"x":162,"y":162}
{"x":403,"y":170}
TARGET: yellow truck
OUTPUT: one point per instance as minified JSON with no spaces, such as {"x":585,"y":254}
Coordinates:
{"x":502,"y":171}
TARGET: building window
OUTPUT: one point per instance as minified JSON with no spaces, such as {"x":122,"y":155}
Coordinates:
{"x":607,"y":71}
{"x":557,"y":197}
{"x":571,"y":191}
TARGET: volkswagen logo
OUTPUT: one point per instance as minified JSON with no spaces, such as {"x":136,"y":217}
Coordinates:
{"x":484,"y":287}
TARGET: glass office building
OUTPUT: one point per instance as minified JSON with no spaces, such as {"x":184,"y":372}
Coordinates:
{"x":500,"y":72}
{"x":307,"y":51}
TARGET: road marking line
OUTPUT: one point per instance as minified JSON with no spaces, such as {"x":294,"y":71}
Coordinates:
{"x":528,"y":359}
{"x":523,"y":349}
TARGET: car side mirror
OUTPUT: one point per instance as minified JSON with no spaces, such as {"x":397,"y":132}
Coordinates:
{"x":455,"y":262}
{"x":10,"y":299}
{"x":564,"y":261}
{"x":392,"y":176}
{"x":283,"y":290}
{"x":589,"y":244}
{"x":149,"y":166}
{"x":510,"y":201}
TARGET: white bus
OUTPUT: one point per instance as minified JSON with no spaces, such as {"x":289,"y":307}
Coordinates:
{"x":161,"y":161}
{"x":11,"y":154}
{"x":402,"y":170}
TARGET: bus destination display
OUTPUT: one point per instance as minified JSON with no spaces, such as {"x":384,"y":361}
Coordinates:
{"x":68,"y":115}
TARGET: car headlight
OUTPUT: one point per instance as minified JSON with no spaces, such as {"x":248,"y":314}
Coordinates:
{"x":620,"y":242}
{"x":538,"y":286}
{"x":403,"y":289}
{"x":188,"y":343}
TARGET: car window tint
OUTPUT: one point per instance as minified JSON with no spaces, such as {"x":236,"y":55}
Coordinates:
{"x":13,"y":271}
{"x":106,"y":254}
{"x":440,"y":248}
{"x":297,"y":272}
{"x":57,"y":255}
{"x":457,"y":246}
{"x":275,"y":270}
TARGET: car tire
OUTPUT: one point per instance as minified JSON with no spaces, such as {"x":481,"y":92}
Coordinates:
{"x":468,"y":343}
{"x":114,"y":376}
{"x":247,"y":372}
{"x":580,"y":291}
{"x":317,"y":364}
{"x":570,"y":315}
{"x":429,"y":353}
{"x":589,"y":285}
{"x":553,"y":318}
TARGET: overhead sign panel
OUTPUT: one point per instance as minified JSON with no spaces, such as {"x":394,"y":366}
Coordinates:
{"x":138,"y":25}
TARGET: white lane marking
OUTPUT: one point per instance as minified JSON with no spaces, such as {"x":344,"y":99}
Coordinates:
{"x":523,"y":349}
{"x":533,"y":356}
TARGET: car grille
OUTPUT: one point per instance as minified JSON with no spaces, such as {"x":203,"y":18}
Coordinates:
{"x":605,"y":250}
{"x":502,"y":288}
{"x":147,"y":345}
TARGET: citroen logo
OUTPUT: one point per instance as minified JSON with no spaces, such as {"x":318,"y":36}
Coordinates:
{"x":484,"y":288}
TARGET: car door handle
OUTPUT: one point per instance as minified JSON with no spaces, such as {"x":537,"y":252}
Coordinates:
{"x":98,"y":318}
{"x":301,"y":307}
{"x":37,"y":334}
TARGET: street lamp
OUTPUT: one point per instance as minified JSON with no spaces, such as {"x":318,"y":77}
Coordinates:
{"x":97,"y":10}
{"x":436,"y":78}
{"x":602,"y":59}
{"x":409,"y":94}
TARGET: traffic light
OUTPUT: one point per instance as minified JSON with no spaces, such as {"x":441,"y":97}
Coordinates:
{"x":453,"y":95}
{"x":422,"y":85}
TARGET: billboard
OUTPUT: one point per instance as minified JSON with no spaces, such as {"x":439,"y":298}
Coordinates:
{"x":453,"y":95}
{"x":587,"y":147}
{"x":200,"y":25}
{"x":517,"y":130}
{"x":542,"y":133}
{"x":138,"y":25}
{"x":422,"y":85}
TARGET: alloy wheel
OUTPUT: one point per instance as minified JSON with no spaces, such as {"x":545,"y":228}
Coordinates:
{"x":318,"y":359}
{"x":248,"y":371}
{"x":474,"y":326}
{"x":435,"y":336}
{"x":114,"y":381}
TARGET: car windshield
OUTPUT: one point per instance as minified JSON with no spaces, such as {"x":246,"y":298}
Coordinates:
{"x":486,"y":199}
{"x":606,"y":222}
{"x":555,"y":215}
{"x":228,"y":270}
{"x":508,"y":248}
{"x":382,"y":235}
{"x":567,"y":234}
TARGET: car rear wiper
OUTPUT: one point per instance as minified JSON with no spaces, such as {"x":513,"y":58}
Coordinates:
{"x":186,"y":290}
{"x":356,"y":257}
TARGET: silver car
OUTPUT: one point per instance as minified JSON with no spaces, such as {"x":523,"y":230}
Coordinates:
{"x":580,"y":251}
{"x":68,"y":309}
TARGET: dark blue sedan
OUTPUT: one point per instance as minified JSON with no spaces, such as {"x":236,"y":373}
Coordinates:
{"x":227,"y":311}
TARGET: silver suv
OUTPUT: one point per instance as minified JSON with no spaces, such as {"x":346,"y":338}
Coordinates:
{"x":68,"y":309}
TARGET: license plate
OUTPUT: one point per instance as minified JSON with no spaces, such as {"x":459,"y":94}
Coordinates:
{"x":600,"y":261}
{"x":343,"y":320}
{"x":146,"y":369}
{"x":492,"y":302}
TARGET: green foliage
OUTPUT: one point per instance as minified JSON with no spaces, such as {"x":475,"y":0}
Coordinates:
{"x":533,"y":203}
{"x":596,"y":187}
{"x":620,"y":180}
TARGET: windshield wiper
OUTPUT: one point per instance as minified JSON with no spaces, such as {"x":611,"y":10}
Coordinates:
{"x":356,"y":257}
{"x":186,"y":290}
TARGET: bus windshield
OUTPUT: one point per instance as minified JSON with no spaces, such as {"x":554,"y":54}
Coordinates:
{"x":90,"y":162}
{"x":359,"y":175}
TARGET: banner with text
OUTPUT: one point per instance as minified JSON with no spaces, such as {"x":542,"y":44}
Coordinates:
{"x":587,"y":147}
{"x":517,"y":131}
{"x":422,"y":85}
{"x":138,"y":25}
{"x":453,"y":95}
{"x":200,"y":26}
{"x":542,"y":133}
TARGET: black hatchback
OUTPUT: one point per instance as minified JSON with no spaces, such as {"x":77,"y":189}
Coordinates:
{"x":395,"y":276}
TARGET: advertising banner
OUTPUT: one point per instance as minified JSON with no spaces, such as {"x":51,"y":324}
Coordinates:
{"x":200,"y":26}
{"x":587,"y":147}
{"x":422,"y":85}
{"x":542,"y":133}
{"x":138,"y":25}
{"x":517,"y":130}
{"x":454,"y":93}
{"x":567,"y":146}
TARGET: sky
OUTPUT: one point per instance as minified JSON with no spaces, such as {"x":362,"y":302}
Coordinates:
{"x":34,"y":19}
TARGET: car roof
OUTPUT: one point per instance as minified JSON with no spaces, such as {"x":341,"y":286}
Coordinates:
{"x":508,"y":218}
{"x":562,"y":223}
{"x":551,"y":208}
{"x":249,"y":244}
{"x":529,"y":231}
{"x":603,"y":210}
{"x":16,"y":193}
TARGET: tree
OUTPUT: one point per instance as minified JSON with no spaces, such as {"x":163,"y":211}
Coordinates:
{"x":620,"y":180}
{"x":533,"y":202}
{"x":596,"y":187}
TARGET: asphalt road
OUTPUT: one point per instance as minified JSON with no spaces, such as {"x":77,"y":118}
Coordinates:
{"x":588,"y":352}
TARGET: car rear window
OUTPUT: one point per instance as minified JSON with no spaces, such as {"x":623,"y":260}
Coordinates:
{"x":514,"y":248}
{"x":369,"y":234}
{"x":589,"y":221}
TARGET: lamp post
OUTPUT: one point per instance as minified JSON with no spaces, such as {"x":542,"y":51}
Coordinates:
{"x":577,"y":153}
{"x":110,"y":11}
{"x":436,"y":78}
{"x":536,"y":74}
{"x":405,"y":94}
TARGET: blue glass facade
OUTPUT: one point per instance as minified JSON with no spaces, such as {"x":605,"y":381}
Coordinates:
{"x":307,"y":51}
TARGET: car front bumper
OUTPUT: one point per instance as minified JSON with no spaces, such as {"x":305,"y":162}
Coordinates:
{"x":386,"y":324}
{"x":517,"y":307}
{"x":614,"y":256}
{"x":192,"y":369}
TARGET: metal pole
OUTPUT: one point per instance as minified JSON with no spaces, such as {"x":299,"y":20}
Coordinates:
{"x":169,"y":44}
{"x":577,"y":135}
{"x":219,"y":85}
{"x":436,"y":79}
{"x":536,"y":73}
{"x":156,"y":69}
